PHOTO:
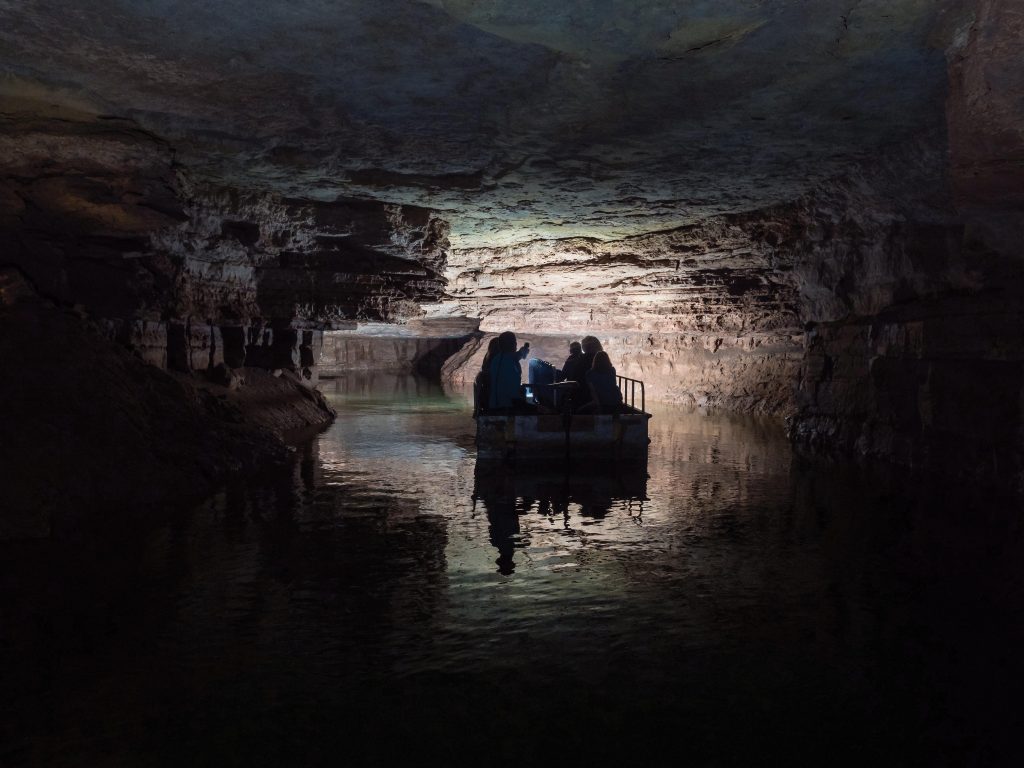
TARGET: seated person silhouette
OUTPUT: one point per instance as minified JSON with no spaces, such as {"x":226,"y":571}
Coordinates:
{"x":573,"y":368}
{"x":603,"y":387}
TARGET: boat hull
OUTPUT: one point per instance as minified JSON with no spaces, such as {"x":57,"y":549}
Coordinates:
{"x":619,"y":438}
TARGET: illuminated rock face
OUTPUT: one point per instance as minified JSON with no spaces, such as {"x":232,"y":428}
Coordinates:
{"x":715,"y":314}
{"x":693,"y":312}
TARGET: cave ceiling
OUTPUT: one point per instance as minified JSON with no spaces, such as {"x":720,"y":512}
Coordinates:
{"x":516,"y":119}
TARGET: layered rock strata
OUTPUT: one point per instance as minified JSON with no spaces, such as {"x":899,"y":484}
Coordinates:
{"x":97,"y":213}
{"x":706,"y":314}
{"x":932,"y":384}
{"x":394,"y":354}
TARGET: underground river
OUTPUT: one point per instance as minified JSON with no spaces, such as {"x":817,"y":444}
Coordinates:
{"x":384,"y":599}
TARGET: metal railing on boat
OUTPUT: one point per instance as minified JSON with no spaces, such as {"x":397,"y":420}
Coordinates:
{"x":529,"y":434}
{"x":627,"y":387}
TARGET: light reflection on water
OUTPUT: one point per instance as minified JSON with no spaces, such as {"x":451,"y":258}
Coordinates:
{"x":390,"y":596}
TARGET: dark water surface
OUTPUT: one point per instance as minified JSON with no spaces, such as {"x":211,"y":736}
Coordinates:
{"x":389,"y":601}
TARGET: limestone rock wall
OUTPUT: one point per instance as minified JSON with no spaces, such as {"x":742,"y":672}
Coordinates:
{"x":836,"y":252}
{"x":81,"y":197}
{"x":933,"y":384}
{"x":924,"y":365}
{"x":98,"y":214}
{"x":344,"y":352}
{"x":984,"y":107}
{"x":706,"y":314}
{"x":263,"y":255}
{"x":914,"y":349}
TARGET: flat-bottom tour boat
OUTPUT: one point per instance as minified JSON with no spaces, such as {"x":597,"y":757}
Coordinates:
{"x":530,"y":437}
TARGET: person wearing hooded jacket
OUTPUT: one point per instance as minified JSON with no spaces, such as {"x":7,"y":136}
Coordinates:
{"x":505,"y":375}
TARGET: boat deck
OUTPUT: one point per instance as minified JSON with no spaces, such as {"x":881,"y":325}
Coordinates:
{"x":541,"y":438}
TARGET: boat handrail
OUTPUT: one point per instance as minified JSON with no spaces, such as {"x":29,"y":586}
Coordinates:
{"x":627,"y":387}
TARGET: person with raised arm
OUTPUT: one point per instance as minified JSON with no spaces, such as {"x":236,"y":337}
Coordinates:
{"x":505,"y":375}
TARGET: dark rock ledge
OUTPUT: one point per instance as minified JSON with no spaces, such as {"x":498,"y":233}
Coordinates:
{"x":94,"y":435}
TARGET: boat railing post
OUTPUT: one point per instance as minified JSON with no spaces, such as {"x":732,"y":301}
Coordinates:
{"x":643,"y":397}
{"x":567,"y":422}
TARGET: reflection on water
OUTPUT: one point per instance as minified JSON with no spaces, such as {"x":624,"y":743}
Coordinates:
{"x":390,"y":597}
{"x":563,"y":497}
